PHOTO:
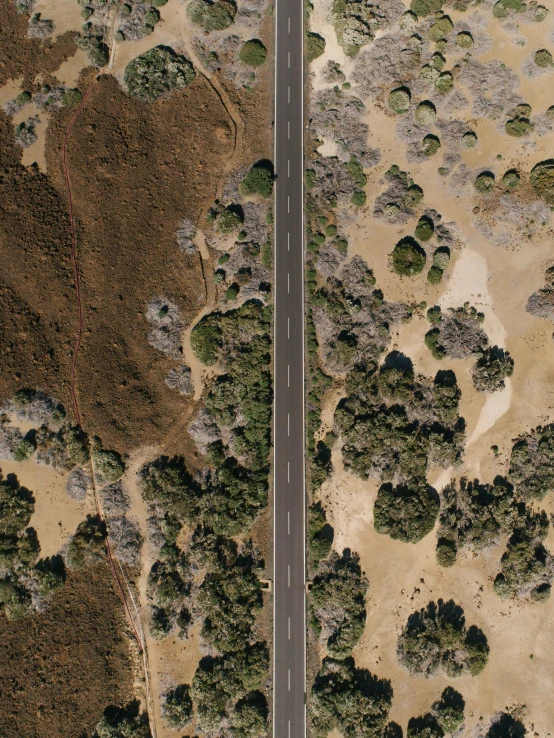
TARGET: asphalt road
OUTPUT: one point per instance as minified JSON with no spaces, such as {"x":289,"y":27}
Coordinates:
{"x":289,"y":623}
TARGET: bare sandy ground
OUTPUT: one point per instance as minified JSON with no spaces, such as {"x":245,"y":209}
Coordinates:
{"x":497,"y":280}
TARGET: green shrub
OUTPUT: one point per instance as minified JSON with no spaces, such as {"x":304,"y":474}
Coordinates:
{"x":543,"y":58}
{"x":408,"y":258}
{"x":259,"y":180}
{"x":431,"y":144}
{"x":449,"y":710}
{"x":87,"y":546}
{"x":469,"y":140}
{"x":359,"y":198}
{"x":424,"y":726}
{"x":232,"y":292}
{"x":532,"y":463}
{"x":484,"y":182}
{"x":25,"y":449}
{"x":71,"y":97}
{"x":228,"y":221}
{"x":425,"y":7}
{"x":464,"y":40}
{"x":405,"y":512}
{"x":177,"y":706}
{"x":491,"y":369}
{"x":542,"y":179}
{"x":399,"y":100}
{"x":414,"y":196}
{"x":249,"y":719}
{"x":266,"y":255}
{"x":441,"y":28}
{"x":446,"y":552}
{"x":159,"y":3}
{"x":424,"y":229}
{"x":320,"y":534}
{"x":314,"y":46}
{"x":108,"y":465}
{"x":434,"y":275}
{"x":253,"y":53}
{"x":212,"y":16}
{"x":157,"y":72}
{"x":518,"y":127}
{"x":126,"y":722}
{"x":435,"y":639}
{"x":444,"y":83}
{"x":441,"y":258}
{"x":309,"y":178}
{"x":425,"y":113}
{"x":432,"y":341}
{"x":511,"y":179}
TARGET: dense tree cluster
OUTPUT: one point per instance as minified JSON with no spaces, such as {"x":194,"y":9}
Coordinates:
{"x":350,"y":700}
{"x":393,"y":426}
{"x":436,"y":639}
{"x":123,"y":722}
{"x":532,"y":463}
{"x":338,"y":602}
{"x":473,"y":516}
{"x":406,"y":512}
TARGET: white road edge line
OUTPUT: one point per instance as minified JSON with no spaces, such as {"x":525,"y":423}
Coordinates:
{"x":289,"y":59}
{"x":289,"y":629}
{"x":288,"y":424}
{"x":288,"y":574}
{"x":288,"y":533}
{"x":288,"y":375}
{"x":289,"y":680}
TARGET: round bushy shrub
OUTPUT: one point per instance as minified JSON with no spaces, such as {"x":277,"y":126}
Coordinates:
{"x":314,"y":46}
{"x":542,"y":179}
{"x":156,"y":72}
{"x":424,"y":229}
{"x":431,"y":144}
{"x":440,"y":28}
{"x":212,"y":16}
{"x":399,"y":100}
{"x":469,"y":140}
{"x":259,"y":180}
{"x":511,"y":179}
{"x":444,"y":83}
{"x":253,"y":53}
{"x":359,"y":198}
{"x":464,"y":40}
{"x":408,"y":258}
{"x":441,"y":258}
{"x":434,"y":275}
{"x":484,"y":182}
{"x":425,"y":113}
{"x":543,"y":58}
{"x":425,"y":7}
{"x":517,"y":127}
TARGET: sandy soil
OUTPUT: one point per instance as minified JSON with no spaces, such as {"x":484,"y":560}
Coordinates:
{"x":497,"y":280}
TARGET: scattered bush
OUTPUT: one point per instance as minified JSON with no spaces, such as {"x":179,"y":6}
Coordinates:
{"x":469,"y":140}
{"x":436,"y":639}
{"x":259,"y":180}
{"x":518,"y":126}
{"x":444,"y":83}
{"x":405,"y":513}
{"x":108,"y":465}
{"x":491,"y":369}
{"x":399,"y":100}
{"x":40,"y":27}
{"x":25,"y":132}
{"x":228,"y":220}
{"x":408,"y":258}
{"x":25,"y":449}
{"x":425,"y":726}
{"x":212,"y":16}
{"x":314,"y":46}
{"x":441,"y":258}
{"x":440,"y":29}
{"x":359,"y":198}
{"x":156,"y":73}
{"x":71,"y":97}
{"x":253,"y":53}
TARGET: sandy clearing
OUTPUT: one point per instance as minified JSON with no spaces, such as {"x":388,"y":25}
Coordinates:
{"x":405,"y":577}
{"x":56,"y":515}
{"x":66,"y":14}
{"x":36,"y":153}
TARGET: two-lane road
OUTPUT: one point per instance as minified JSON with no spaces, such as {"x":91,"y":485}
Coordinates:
{"x":289,"y":624}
